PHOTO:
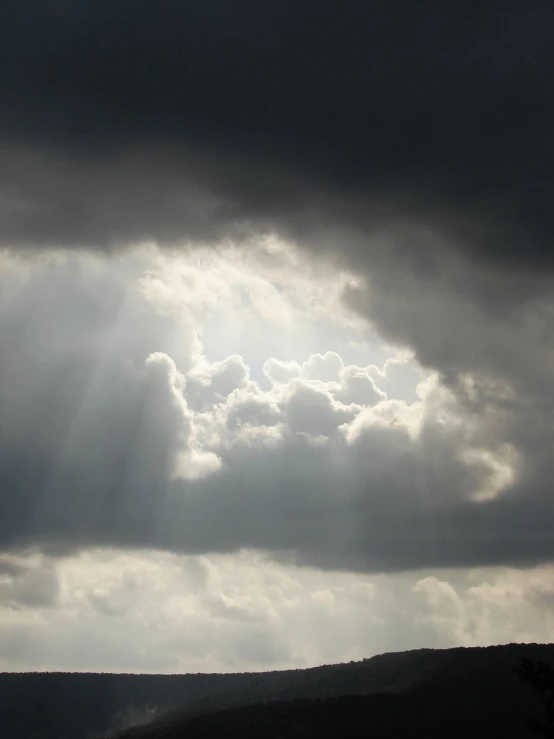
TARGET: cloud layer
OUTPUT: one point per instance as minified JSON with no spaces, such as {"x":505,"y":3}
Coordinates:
{"x":124,"y":611}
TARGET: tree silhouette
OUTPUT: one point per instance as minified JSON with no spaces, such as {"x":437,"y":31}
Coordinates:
{"x":541,"y":678}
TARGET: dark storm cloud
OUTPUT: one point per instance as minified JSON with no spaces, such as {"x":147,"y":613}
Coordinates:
{"x":123,"y":121}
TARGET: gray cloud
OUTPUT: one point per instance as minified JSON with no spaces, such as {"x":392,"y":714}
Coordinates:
{"x":28,"y":583}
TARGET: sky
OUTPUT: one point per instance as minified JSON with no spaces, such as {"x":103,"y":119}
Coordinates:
{"x":276,"y":331}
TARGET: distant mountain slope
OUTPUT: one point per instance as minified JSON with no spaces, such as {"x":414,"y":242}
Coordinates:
{"x":378,"y":716}
{"x":387,"y":673}
{"x":457,"y":692}
{"x":430,"y":686}
{"x":82,"y":706}
{"x":344,"y":717}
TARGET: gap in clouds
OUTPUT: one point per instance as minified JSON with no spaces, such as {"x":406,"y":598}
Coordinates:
{"x":260,"y":300}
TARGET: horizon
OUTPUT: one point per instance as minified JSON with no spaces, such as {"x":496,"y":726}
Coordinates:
{"x":285,"y":669}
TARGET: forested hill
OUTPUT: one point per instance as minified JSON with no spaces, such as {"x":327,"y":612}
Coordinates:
{"x":444,"y":693}
{"x":84,"y":705}
{"x":421,"y":690}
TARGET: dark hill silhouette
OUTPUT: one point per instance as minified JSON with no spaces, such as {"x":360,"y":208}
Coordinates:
{"x":426,"y":693}
{"x":418,"y":693}
{"x":83,"y":705}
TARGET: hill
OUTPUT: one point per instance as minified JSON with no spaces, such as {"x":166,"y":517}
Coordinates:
{"x":84,"y":705}
{"x":423,"y":690}
{"x":426,"y":693}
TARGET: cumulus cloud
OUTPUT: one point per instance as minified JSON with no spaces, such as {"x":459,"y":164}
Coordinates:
{"x":109,"y":440}
{"x":28,"y":582}
{"x":313,"y":410}
{"x":214,"y":383}
{"x":350,"y":384}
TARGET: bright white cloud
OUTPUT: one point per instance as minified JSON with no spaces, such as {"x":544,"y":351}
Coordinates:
{"x":267,"y":278}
